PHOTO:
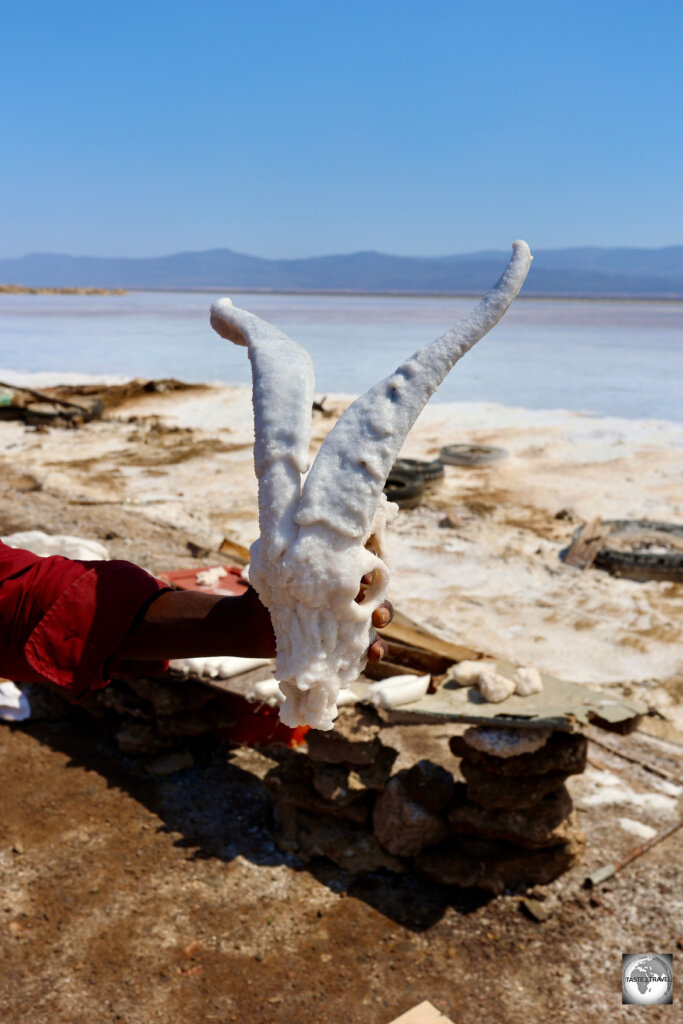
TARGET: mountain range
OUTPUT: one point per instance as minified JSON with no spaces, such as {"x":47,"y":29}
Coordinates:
{"x":578,"y":272}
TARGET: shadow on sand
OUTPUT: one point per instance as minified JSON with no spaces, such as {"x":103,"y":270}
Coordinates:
{"x":221,"y":811}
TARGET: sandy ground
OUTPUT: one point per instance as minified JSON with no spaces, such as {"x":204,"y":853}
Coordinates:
{"x":127,"y":898}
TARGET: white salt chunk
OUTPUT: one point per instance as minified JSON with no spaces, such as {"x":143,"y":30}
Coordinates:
{"x":527,"y":680}
{"x":493,"y":687}
{"x":466,"y":673}
{"x":396,"y":691}
{"x":209,"y":577}
{"x":637,"y":828}
{"x":268,"y":691}
{"x":220,"y":667}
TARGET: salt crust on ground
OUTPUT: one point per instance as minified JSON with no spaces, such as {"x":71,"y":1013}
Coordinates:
{"x":493,"y":581}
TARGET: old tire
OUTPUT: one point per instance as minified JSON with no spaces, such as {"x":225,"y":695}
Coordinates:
{"x":404,"y":487}
{"x":649,"y":558}
{"x":429,"y":471}
{"x":471,"y":455}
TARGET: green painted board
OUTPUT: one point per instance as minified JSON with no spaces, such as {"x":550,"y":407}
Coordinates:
{"x":562,"y":705}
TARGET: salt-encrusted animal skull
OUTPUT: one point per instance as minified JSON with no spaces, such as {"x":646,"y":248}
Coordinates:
{"x":317,"y":543}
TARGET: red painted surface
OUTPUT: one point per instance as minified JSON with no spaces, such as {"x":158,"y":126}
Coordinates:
{"x":249,"y":725}
{"x":186,"y":579}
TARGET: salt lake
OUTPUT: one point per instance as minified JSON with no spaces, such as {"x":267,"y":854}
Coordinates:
{"x":616,"y":358}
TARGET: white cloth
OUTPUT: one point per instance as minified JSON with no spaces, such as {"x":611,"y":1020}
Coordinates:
{"x":14,"y":706}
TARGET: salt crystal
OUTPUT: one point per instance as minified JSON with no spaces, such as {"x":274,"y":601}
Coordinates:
{"x":493,"y":687}
{"x":527,"y":680}
{"x":316,"y":543}
{"x":210,"y":577}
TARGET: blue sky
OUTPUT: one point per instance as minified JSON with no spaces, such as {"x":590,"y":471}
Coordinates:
{"x":300,"y":128}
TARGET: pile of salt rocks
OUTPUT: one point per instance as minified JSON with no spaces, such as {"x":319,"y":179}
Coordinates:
{"x":501,"y":818}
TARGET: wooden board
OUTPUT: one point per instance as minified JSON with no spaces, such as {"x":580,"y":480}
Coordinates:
{"x":405,"y":631}
{"x":425,"y":1013}
{"x":584,"y":549}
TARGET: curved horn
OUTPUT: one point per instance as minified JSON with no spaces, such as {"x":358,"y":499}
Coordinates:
{"x":282,"y":393}
{"x":384,"y":415}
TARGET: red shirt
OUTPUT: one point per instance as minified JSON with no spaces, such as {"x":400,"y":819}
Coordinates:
{"x":61,"y":620}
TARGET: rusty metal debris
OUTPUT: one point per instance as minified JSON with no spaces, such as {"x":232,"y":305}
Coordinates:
{"x":601,"y":875}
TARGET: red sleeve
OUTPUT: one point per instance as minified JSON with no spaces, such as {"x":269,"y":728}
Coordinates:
{"x":61,"y":620}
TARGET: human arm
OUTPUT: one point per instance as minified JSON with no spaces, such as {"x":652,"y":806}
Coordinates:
{"x":186,"y":624}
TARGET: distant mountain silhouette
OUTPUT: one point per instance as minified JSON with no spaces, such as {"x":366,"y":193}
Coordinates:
{"x":590,"y":272}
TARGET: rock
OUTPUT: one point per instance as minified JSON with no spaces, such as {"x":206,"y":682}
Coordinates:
{"x":536,"y":909}
{"x":185,"y":723}
{"x":141,"y":738}
{"x":413,"y":743}
{"x":168,"y":764}
{"x":335,"y":781}
{"x":117,"y":698}
{"x":331,"y":781}
{"x":513,"y":792}
{"x":292,"y":783}
{"x":502,"y":867}
{"x":354,"y":739}
{"x":321,"y":836}
{"x":48,"y":704}
{"x":428,"y":785}
{"x":550,"y":824}
{"x":170,"y":697}
{"x":504,"y":741}
{"x":494,"y":687}
{"x":403,"y":826}
{"x":563,"y":752}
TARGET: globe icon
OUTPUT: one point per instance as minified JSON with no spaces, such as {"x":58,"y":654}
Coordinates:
{"x":647,"y":979}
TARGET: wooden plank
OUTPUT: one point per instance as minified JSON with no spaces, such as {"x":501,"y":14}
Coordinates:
{"x":425,"y":1013}
{"x":584,"y":549}
{"x":404,"y":630}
